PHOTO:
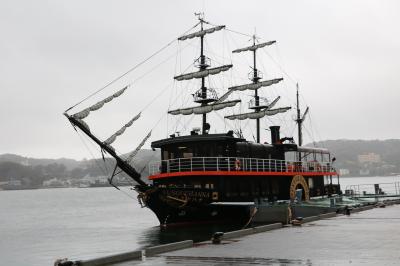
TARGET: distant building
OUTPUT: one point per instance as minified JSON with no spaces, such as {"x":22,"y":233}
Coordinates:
{"x":344,"y":171}
{"x":55,"y":182}
{"x":364,"y":172}
{"x":369,"y":158}
{"x":15,"y":183}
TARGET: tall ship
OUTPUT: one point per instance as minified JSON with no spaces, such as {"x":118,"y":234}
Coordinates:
{"x":221,"y":177}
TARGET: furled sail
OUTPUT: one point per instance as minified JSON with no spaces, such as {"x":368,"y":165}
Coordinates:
{"x":272,"y":104}
{"x":133,"y":153}
{"x":260,"y":114}
{"x":113,"y":137}
{"x":204,"y":109}
{"x":203,"y":73}
{"x":253,"y":47}
{"x":224,"y":97}
{"x":84,"y":113}
{"x":254,"y":86}
{"x":200,"y":33}
{"x":84,"y":124}
{"x":255,"y":115}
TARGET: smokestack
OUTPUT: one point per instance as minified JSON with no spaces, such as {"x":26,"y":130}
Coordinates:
{"x":275,"y":134}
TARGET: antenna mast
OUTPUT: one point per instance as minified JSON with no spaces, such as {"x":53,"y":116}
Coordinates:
{"x":300,"y":120}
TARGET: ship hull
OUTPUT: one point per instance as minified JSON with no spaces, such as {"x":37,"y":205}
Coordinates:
{"x":176,"y":213}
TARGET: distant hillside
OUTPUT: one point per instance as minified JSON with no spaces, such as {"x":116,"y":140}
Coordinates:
{"x":68,"y":163}
{"x":33,"y":172}
{"x":347,"y":151}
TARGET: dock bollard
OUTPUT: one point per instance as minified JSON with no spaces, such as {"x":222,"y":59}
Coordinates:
{"x":347,"y":210}
{"x":64,"y":262}
{"x":216,"y":239}
{"x":297,"y":221}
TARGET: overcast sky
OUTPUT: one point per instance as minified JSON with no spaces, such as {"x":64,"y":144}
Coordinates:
{"x":345,"y":55}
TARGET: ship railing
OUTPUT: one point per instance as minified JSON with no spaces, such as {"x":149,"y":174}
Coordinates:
{"x":205,"y":164}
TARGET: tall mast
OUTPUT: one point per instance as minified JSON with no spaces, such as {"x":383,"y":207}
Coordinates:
{"x":255,"y":80}
{"x":203,"y":66}
{"x":206,"y":97}
{"x":260,"y":109}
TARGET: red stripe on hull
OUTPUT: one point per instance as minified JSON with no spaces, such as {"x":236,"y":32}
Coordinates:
{"x":237,"y":173}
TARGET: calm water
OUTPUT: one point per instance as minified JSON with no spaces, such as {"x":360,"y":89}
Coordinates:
{"x":39,"y":226}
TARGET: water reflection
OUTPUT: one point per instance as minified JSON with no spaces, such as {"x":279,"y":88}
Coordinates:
{"x":220,"y":261}
{"x":187,"y":260}
{"x":162,"y":235}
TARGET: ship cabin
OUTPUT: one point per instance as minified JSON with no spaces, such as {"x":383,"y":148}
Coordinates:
{"x":239,"y":170}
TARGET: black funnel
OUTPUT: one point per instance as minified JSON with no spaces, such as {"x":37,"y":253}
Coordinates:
{"x":275,"y":137}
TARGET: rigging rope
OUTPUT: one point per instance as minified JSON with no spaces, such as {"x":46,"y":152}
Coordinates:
{"x":105,"y":172}
{"x":91,"y":153}
{"x":130,"y":70}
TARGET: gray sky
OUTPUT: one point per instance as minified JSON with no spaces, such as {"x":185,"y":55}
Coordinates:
{"x":345,"y":55}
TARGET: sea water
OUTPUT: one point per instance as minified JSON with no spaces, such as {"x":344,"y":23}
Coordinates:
{"x":39,"y":226}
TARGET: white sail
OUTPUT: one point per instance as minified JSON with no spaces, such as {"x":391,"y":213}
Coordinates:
{"x":200,"y":33}
{"x":254,"y":86}
{"x":133,"y":153}
{"x":203,"y":73}
{"x":84,"y":113}
{"x":121,"y":131}
{"x":204,"y":109}
{"x":253,"y":47}
{"x":255,"y":115}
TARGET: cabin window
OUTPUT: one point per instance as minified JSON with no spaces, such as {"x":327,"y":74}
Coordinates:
{"x":197,"y":185}
{"x":209,"y":186}
{"x":275,"y":187}
{"x":244,"y":189}
{"x":165,"y":155}
{"x":188,"y":155}
{"x":220,"y":150}
{"x":264,"y":187}
{"x":310,"y":183}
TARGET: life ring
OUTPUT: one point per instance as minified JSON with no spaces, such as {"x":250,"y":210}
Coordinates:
{"x":299,"y":180}
{"x":237,"y":165}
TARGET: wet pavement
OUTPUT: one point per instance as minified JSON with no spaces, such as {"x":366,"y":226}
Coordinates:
{"x":366,"y":238}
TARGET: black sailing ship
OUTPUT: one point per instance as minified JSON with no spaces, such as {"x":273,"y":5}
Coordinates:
{"x":204,"y":177}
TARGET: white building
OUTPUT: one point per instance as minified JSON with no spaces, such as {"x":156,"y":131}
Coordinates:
{"x":369,"y":158}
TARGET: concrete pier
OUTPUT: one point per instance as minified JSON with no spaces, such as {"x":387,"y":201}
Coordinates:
{"x":369,"y":237}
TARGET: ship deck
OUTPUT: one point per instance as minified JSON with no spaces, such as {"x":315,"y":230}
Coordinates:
{"x":229,"y":166}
